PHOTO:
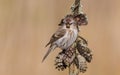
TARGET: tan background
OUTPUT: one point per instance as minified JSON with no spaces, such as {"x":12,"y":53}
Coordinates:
{"x":26,"y":26}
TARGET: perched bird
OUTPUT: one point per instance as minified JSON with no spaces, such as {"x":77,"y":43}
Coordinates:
{"x":65,"y":35}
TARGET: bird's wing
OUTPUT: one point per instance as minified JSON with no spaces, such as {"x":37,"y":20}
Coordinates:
{"x":48,"y":52}
{"x":58,"y":34}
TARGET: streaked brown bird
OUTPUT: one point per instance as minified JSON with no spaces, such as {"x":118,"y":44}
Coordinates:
{"x":65,"y":35}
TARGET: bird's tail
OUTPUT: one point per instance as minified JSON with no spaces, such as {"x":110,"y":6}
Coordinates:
{"x":49,"y":50}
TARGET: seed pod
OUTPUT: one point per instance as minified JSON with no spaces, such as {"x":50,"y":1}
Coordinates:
{"x":65,"y":58}
{"x":84,"y":51}
{"x":81,"y":64}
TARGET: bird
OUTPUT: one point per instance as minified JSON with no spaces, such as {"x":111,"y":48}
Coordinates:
{"x":65,"y":35}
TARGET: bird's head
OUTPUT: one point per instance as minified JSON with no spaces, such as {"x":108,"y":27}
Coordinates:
{"x":68,"y":21}
{"x":78,"y":20}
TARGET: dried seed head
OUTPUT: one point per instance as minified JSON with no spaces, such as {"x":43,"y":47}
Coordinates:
{"x":65,"y":58}
{"x":81,"y":19}
{"x":84,"y":50}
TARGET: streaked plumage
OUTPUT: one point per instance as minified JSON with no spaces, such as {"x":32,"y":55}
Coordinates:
{"x":64,"y":36}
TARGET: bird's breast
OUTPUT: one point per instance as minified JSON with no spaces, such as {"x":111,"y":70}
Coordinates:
{"x":68,"y":39}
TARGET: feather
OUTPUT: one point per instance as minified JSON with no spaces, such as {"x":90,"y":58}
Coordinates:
{"x":60,"y":33}
{"x":52,"y":47}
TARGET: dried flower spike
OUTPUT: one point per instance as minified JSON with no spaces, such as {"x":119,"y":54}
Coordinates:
{"x":65,"y":58}
{"x":84,"y":50}
{"x":75,"y":54}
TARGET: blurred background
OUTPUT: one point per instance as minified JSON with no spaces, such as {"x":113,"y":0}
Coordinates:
{"x":27,"y":25}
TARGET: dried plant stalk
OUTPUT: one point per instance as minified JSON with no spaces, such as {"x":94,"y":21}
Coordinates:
{"x":76,"y":57}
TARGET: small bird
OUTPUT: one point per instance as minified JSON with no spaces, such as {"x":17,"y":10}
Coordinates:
{"x":64,"y":36}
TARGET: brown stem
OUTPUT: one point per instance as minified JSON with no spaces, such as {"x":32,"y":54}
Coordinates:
{"x":76,"y":7}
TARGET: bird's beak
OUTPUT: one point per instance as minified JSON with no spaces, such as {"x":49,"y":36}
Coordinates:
{"x":67,"y":26}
